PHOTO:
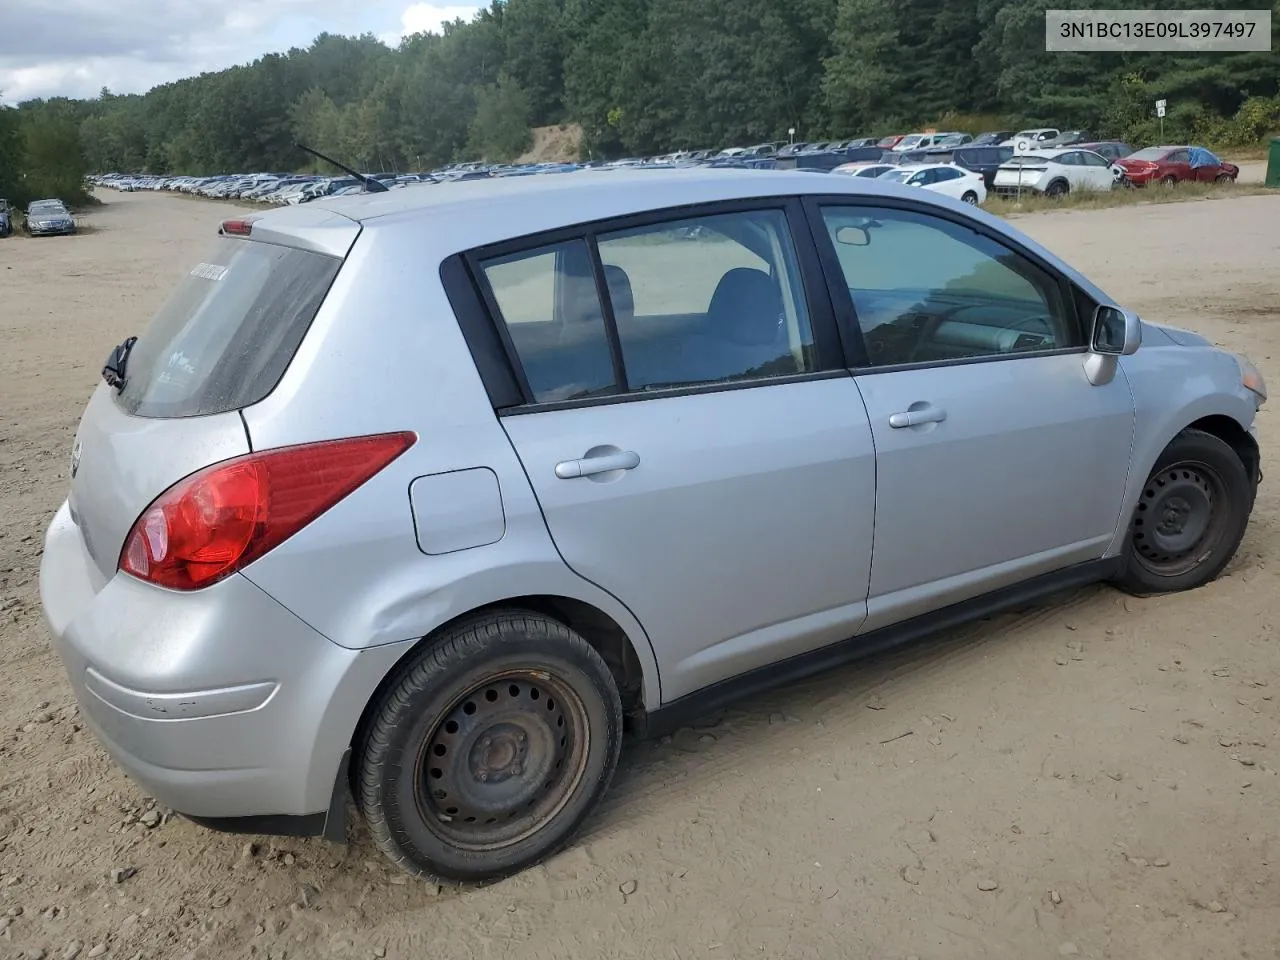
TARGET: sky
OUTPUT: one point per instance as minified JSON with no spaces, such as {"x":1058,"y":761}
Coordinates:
{"x":74,"y":48}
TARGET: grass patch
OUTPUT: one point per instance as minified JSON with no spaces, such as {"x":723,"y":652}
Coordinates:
{"x":1031,"y":202}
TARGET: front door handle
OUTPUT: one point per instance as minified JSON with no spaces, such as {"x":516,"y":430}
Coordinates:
{"x":589,"y":466}
{"x":922,"y":413}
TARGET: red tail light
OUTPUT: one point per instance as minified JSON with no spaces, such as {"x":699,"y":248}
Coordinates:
{"x":238,"y":228}
{"x":221,"y":519}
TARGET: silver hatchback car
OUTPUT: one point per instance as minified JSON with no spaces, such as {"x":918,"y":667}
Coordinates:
{"x":425,"y":497}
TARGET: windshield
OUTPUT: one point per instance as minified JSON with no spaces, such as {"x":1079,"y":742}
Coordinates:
{"x":910,"y":141}
{"x":47,"y":208}
{"x":228,"y":332}
{"x":1150,"y":153}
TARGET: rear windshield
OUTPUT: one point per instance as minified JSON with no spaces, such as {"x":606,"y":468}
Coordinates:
{"x":223,"y":340}
{"x":1150,"y":153}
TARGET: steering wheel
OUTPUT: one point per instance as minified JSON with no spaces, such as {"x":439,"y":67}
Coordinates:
{"x":932,"y":321}
{"x":1044,"y":318}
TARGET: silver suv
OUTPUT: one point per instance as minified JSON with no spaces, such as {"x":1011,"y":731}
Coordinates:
{"x":427,"y":496}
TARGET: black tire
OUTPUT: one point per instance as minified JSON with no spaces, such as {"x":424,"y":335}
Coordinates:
{"x":1190,"y":518}
{"x":1170,"y":181}
{"x":531,"y":714}
{"x":1058,"y":188}
{"x":970,"y":196}
{"x":1226,"y":178}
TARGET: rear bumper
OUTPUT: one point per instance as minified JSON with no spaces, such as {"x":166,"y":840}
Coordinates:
{"x":221,"y":703}
{"x":1012,"y":190}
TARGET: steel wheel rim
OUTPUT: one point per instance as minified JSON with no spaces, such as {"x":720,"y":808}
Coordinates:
{"x":1179,"y":519}
{"x":502,"y":760}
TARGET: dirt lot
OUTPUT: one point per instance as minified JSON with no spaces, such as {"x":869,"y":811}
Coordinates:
{"x":1095,"y":778}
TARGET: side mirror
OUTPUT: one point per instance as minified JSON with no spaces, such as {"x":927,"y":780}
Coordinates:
{"x":1116,"y":332}
{"x":853,"y":236}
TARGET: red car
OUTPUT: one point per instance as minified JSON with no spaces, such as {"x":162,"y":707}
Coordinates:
{"x":1172,"y":165}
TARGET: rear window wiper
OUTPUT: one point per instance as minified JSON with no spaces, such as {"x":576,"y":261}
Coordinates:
{"x":114,"y":370}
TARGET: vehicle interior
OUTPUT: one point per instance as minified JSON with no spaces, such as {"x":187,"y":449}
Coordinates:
{"x":998,"y":303}
{"x":733,"y":312}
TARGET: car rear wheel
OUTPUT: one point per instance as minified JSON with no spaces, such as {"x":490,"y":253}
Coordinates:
{"x":970,"y":197}
{"x":1190,"y":517}
{"x":489,"y":748}
{"x":1058,"y":188}
{"x":1169,"y":181}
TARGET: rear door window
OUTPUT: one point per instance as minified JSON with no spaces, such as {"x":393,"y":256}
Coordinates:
{"x":228,"y":332}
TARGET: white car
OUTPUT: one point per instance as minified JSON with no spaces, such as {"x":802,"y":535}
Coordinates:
{"x":1025,"y":140}
{"x":864,"y":168}
{"x":945,"y":178}
{"x":919,"y":141}
{"x":1054,"y":173}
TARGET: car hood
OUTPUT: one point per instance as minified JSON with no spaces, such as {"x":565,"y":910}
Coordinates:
{"x":1183,"y":338}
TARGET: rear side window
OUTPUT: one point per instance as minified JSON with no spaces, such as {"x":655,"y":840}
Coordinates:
{"x":228,"y":332}
{"x":548,"y":300}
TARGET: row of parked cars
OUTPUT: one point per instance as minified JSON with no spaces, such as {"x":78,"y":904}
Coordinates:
{"x":42,"y":218}
{"x":1054,"y":165}
{"x":1040,"y":160}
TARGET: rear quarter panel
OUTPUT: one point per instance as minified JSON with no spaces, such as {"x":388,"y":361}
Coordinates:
{"x":1174,"y":386}
{"x":385,"y":354}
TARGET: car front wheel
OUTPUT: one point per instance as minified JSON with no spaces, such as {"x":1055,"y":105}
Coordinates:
{"x":489,"y":748}
{"x":1190,"y":517}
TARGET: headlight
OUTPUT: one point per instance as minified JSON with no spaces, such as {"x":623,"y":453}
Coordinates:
{"x":1252,"y":379}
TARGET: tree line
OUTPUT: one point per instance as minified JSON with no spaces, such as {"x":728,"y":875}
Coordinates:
{"x":643,"y":77}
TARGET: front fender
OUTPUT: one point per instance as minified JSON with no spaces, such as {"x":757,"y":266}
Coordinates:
{"x":1173,"y":387}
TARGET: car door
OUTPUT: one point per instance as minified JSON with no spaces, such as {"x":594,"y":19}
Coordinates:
{"x":1069,"y":166}
{"x":997,"y":460}
{"x":1096,"y":170}
{"x":1177,"y":164}
{"x":946,"y":181}
{"x":694,"y":440}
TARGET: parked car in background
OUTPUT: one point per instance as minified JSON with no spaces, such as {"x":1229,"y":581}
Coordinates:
{"x":48,"y":218}
{"x":864,"y":168}
{"x":316,"y":544}
{"x":944,"y":178}
{"x":1054,"y":173}
{"x":1025,"y":140}
{"x":1067,"y":138}
{"x":984,"y":160}
{"x":1174,"y":165}
{"x":992,"y":138}
{"x":6,"y":218}
{"x":1113,"y":150}
{"x":891,"y":141}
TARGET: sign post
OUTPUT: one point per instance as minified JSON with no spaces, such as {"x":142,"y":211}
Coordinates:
{"x":791,"y":132}
{"x":1160,"y":105}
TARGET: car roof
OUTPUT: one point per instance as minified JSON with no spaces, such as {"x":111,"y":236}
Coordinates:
{"x":581,"y":196}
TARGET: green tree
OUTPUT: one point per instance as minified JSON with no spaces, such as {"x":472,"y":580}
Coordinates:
{"x":500,"y":129}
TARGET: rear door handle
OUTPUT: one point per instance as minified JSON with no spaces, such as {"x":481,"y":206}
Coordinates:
{"x":590,"y":466}
{"x":913,"y":418}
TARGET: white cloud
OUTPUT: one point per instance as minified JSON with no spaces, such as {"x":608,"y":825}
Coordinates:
{"x":76,"y":47}
{"x":426,"y":18}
